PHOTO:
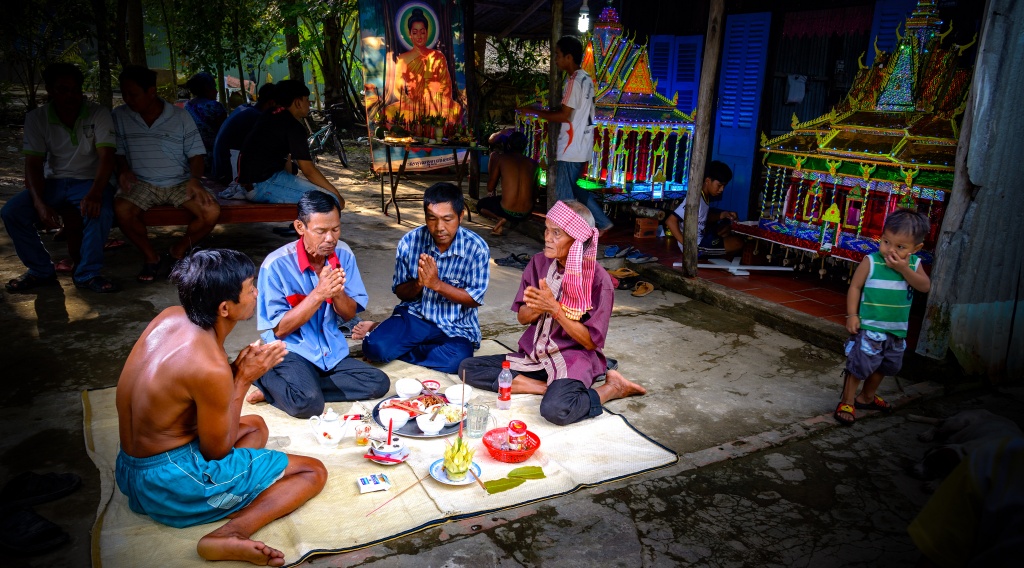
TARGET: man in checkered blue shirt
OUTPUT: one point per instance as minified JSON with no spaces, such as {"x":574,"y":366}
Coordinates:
{"x":441,"y":275}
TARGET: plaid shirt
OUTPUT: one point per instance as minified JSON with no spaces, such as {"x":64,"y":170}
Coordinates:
{"x":465,"y":265}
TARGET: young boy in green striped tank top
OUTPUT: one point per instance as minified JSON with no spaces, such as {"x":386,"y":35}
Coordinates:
{"x":878,"y":308}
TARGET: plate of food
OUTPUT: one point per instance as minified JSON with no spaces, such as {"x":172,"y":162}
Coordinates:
{"x":438,"y":473}
{"x":412,"y":406}
{"x":453,"y":414}
{"x":411,"y":429}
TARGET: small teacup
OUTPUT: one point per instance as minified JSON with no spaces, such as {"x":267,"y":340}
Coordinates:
{"x":393,"y":450}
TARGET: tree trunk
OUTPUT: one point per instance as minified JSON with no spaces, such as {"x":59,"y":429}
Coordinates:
{"x":472,"y":96}
{"x":136,"y":43}
{"x":238,"y":52}
{"x":105,"y":93}
{"x":330,"y":61}
{"x":120,"y":33}
{"x":172,"y":56}
{"x":977,"y":301}
{"x":291,"y":43}
{"x":554,"y":98}
{"x":702,"y":124}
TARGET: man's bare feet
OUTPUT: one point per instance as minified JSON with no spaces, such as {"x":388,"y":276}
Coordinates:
{"x":617,"y":386}
{"x":363,"y":328}
{"x":234,"y":547}
{"x":499,"y":229}
{"x":255,"y":397}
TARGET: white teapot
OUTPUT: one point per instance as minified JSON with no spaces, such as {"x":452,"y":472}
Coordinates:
{"x":327,"y":428}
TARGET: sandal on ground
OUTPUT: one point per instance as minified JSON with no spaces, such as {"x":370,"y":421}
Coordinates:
{"x":611,"y":251}
{"x":64,"y":266}
{"x":148,"y":272}
{"x":23,"y":532}
{"x":27,"y":282}
{"x":514,"y":260}
{"x":31,"y":488}
{"x":113,"y":244}
{"x":166,"y":265}
{"x":642,"y":289}
{"x":637,"y":257}
{"x":623,"y":272}
{"x":877,"y":404}
{"x":626,"y":251}
{"x":100,"y":285}
{"x":844,"y":409}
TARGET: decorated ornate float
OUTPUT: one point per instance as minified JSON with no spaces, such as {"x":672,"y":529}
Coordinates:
{"x":641,"y":142}
{"x":891,"y":143}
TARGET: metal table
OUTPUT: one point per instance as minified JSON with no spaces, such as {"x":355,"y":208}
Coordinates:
{"x":461,"y":168}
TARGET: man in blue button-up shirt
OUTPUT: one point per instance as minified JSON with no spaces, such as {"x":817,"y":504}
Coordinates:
{"x":441,"y":274}
{"x":305,"y":287}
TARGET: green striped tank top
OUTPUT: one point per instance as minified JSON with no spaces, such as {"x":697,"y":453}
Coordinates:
{"x":886,"y":297}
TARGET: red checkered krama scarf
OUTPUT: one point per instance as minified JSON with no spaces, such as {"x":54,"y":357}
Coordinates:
{"x":581,"y":262}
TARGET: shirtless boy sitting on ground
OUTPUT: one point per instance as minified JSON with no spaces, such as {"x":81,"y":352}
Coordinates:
{"x":518,"y":175}
{"x":187,"y":456}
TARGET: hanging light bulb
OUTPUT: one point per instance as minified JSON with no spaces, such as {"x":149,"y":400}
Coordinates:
{"x":583,"y":24}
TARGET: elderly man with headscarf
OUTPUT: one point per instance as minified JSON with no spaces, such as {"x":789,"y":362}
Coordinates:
{"x":566,"y":298}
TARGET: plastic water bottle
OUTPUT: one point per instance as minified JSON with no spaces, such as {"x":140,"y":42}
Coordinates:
{"x":505,"y":387}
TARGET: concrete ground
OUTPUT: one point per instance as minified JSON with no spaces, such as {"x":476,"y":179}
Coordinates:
{"x":764,"y":477}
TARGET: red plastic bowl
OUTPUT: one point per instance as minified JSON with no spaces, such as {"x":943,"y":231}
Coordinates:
{"x":494,"y":438}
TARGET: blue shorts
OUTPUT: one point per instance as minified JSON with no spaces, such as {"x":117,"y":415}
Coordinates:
{"x":870,"y":351}
{"x":180,"y":488}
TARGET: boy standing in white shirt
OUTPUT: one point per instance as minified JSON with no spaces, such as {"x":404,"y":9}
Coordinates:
{"x":576,"y":138}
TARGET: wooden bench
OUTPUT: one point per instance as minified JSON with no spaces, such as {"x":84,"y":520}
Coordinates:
{"x":231,"y":211}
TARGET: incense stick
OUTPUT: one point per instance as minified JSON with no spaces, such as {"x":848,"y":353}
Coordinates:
{"x":418,"y":481}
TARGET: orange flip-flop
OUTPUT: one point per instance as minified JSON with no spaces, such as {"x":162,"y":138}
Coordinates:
{"x":642,"y":289}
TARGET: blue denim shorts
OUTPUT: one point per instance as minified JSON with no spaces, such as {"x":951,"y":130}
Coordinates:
{"x":870,"y":351}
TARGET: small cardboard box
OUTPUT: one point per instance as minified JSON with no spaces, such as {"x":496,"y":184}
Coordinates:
{"x":645,"y":228}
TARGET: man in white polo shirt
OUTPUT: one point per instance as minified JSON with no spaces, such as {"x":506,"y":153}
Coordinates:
{"x":69,"y":158}
{"x":160,"y":162}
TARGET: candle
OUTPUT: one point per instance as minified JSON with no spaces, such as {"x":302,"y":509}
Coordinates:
{"x":391,"y":423}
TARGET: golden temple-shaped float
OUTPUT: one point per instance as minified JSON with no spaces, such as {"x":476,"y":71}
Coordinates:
{"x":891,"y":143}
{"x":642,"y":143}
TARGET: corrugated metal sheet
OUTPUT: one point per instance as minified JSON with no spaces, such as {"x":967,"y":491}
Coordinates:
{"x":492,"y":17}
{"x":814,"y":57}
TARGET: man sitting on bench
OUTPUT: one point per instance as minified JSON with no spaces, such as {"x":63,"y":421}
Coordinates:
{"x":160,"y":162}
{"x":277,"y":139}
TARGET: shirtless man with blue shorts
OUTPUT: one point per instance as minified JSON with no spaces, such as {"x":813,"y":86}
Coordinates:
{"x":187,"y":455}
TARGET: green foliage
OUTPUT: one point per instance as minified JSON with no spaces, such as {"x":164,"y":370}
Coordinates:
{"x":35,"y":33}
{"x":203,"y":31}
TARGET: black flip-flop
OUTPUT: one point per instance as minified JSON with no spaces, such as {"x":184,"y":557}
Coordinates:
{"x":28,"y":282}
{"x":31,"y":488}
{"x":149,"y":272}
{"x":24,"y":533}
{"x":100,"y":285}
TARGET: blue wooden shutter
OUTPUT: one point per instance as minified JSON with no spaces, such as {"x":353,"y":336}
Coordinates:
{"x":675,"y":63}
{"x":662,"y":62}
{"x":744,"y":54}
{"x":688,"y":53}
{"x":888,"y":15}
